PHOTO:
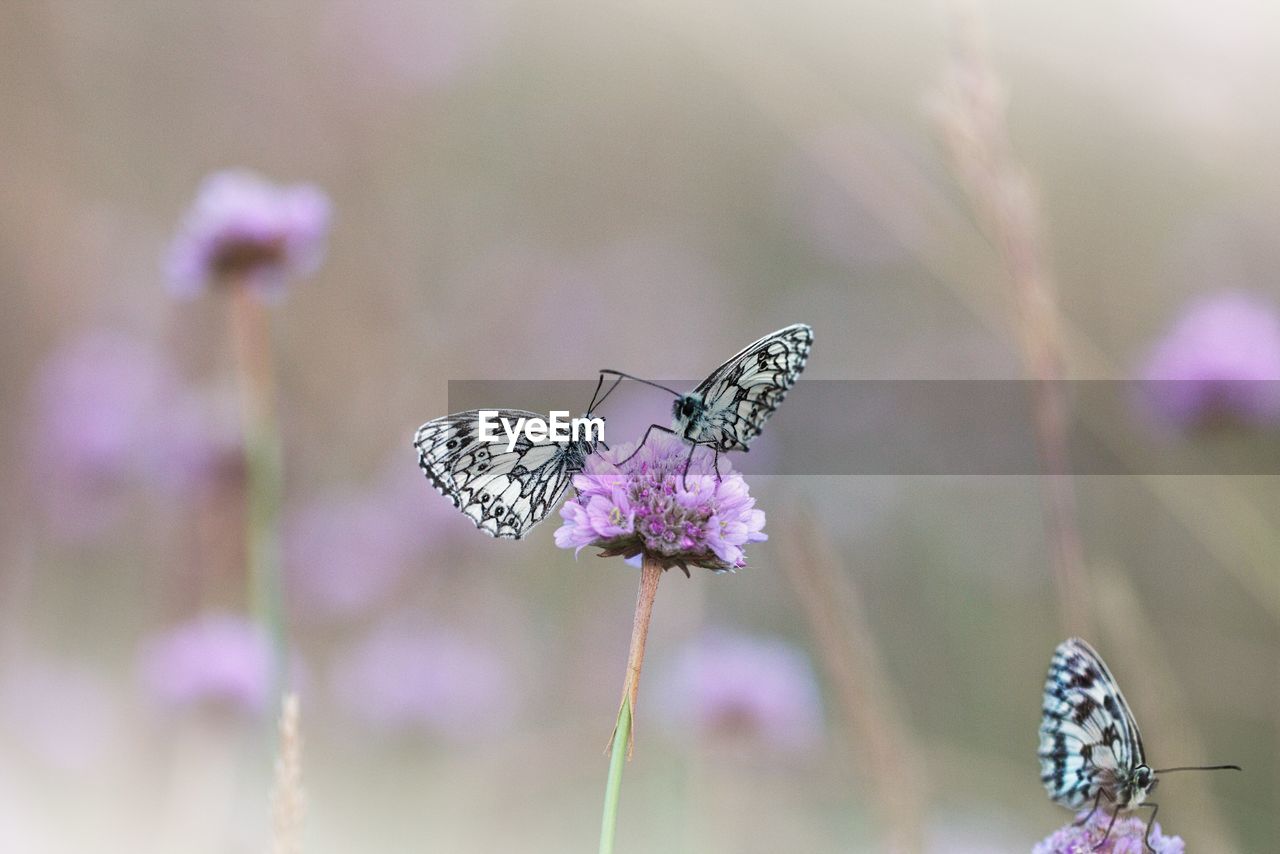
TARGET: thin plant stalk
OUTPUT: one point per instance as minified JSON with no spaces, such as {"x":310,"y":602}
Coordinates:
{"x":251,"y":340}
{"x":623,"y":743}
{"x":288,"y":800}
{"x":618,"y":750}
{"x":970,"y":110}
{"x":848,"y":648}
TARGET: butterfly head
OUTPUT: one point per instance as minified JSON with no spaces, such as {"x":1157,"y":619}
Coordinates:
{"x":687,"y":410}
{"x":1144,"y":780}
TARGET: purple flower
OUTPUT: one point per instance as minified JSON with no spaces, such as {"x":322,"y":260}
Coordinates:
{"x":422,"y":524}
{"x":109,"y":413}
{"x":217,"y":660}
{"x":1219,"y":364}
{"x":195,"y":444}
{"x":648,"y":506}
{"x":1126,"y":837}
{"x":404,"y":678}
{"x":242,"y":227}
{"x":348,"y":551}
{"x":343,"y":554}
{"x":738,"y":686}
{"x":95,"y":402}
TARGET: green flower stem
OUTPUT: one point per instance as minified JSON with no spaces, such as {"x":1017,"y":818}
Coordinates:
{"x":251,"y":338}
{"x":623,"y":742}
{"x":617,"y":759}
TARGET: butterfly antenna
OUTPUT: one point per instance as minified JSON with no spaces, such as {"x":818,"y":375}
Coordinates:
{"x":621,"y":375}
{"x":1198,"y":768}
{"x":592,"y":405}
{"x":596,"y":403}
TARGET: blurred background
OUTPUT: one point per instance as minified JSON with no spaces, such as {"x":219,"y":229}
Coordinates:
{"x":499,"y":190}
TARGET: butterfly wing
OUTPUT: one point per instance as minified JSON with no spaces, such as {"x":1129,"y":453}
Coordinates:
{"x":1089,"y":740}
{"x":505,"y":493}
{"x":741,"y":394}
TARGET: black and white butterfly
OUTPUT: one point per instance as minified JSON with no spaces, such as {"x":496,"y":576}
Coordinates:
{"x":1091,"y":752}
{"x":504,"y":492}
{"x":729,"y":408}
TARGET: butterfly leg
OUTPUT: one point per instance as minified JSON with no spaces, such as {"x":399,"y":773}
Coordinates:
{"x":1114,"y":815}
{"x":688,"y":462}
{"x":715,"y":462}
{"x":644,"y":439}
{"x":684,"y":478}
{"x":1146,"y":837}
{"x":1083,"y":821}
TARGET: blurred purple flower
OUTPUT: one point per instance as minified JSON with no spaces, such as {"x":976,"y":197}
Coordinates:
{"x":648,"y":506}
{"x":398,"y":492}
{"x":404,"y":678}
{"x":344,"y":554}
{"x":738,"y":686}
{"x":193,"y":442}
{"x":243,"y":227}
{"x":1126,"y":837}
{"x":217,"y":660}
{"x":1220,"y":363}
{"x":109,"y":413}
{"x":94,"y":404}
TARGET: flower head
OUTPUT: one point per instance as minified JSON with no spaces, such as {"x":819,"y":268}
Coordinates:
{"x":402,"y":678}
{"x":217,"y":659}
{"x":343,"y":554}
{"x":738,"y":686}
{"x":1127,"y":837}
{"x":1219,"y":363}
{"x":110,"y":413}
{"x":647,"y":505}
{"x":242,"y":227}
{"x":94,"y":403}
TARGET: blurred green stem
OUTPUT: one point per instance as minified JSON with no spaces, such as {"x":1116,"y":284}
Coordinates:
{"x":617,"y":758}
{"x":251,"y":338}
{"x":623,"y":741}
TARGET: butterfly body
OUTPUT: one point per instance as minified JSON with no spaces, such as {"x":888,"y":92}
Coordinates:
{"x":729,"y":408}
{"x":688,"y":416}
{"x":504,"y":490}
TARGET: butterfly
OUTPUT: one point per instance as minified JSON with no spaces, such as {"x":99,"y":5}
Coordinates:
{"x":504,"y":490}
{"x":729,"y":408}
{"x":1090,"y":747}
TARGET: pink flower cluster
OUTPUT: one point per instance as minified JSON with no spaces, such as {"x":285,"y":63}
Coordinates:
{"x":732,"y":687}
{"x":1220,"y":364}
{"x":1127,"y":837}
{"x":647,"y":505}
{"x":243,"y":227}
{"x":220,"y":660}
